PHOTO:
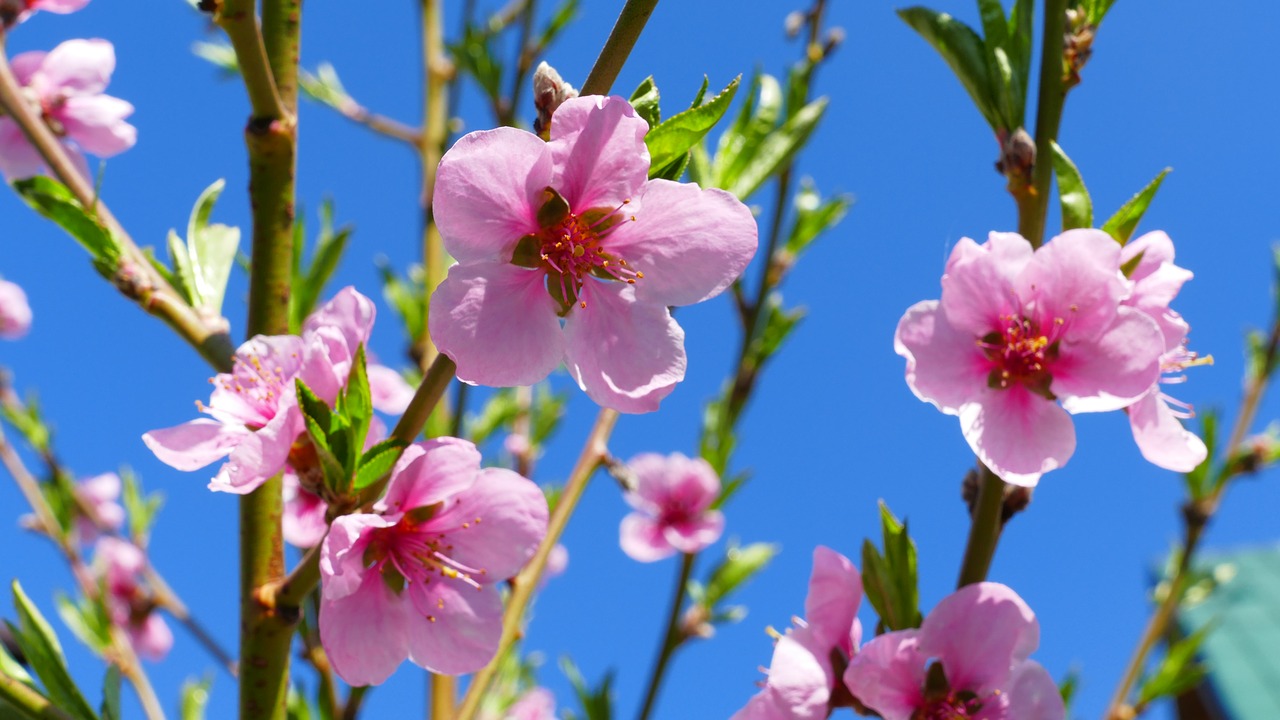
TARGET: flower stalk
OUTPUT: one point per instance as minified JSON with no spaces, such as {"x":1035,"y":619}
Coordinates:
{"x":617,"y":47}
{"x":984,"y":532}
{"x":673,"y":637}
{"x":1053,"y":95}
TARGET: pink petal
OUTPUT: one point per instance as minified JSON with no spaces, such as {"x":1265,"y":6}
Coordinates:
{"x":697,"y":534}
{"x":1075,"y":277}
{"x":366,"y":633}
{"x":342,"y":566}
{"x":496,"y":524}
{"x":303,"y":522}
{"x":467,"y":625}
{"x":1113,"y":369}
{"x":537,"y":704}
{"x":1019,"y":435}
{"x":18,"y":158}
{"x":152,"y":639}
{"x":488,"y":190}
{"x":690,"y":243}
{"x":763,"y":706}
{"x":15,"y":312}
{"x":1156,"y":249}
{"x":650,"y":470}
{"x":96,"y":123}
{"x":977,"y":287}
{"x":944,"y":365}
{"x":26,"y":65}
{"x":81,"y":66}
{"x":62,"y":7}
{"x":597,"y":144}
{"x":485,"y":314}
{"x":627,"y":355}
{"x":260,"y":454}
{"x":799,"y":680}
{"x":391,"y":394}
{"x":835,"y":591}
{"x":428,"y":472}
{"x":192,"y":445}
{"x":349,"y":313}
{"x":1033,"y":695}
{"x":887,"y":675}
{"x":643,"y":540}
{"x":1163,"y":440}
{"x":979,"y":632}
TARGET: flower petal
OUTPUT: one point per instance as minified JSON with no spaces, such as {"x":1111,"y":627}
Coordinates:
{"x":18,"y":157}
{"x":391,"y":394}
{"x":598,"y":147}
{"x":152,"y":638}
{"x":980,"y":632}
{"x":342,"y":568}
{"x":1113,"y":369}
{"x":1033,"y":695}
{"x":366,"y":633}
{"x":498,"y":323}
{"x":488,"y":190}
{"x":62,"y":7}
{"x":1017,"y":434}
{"x":496,"y":524}
{"x":835,"y":591}
{"x":887,"y":675}
{"x":96,"y":123}
{"x":627,"y":355}
{"x":81,"y":66}
{"x":1075,"y":277}
{"x":697,"y":533}
{"x":643,"y":539}
{"x":192,"y":445}
{"x":690,"y":243}
{"x":977,"y":286}
{"x":429,"y":472}
{"x":944,"y":365}
{"x":1163,"y":440}
{"x":260,"y":454}
{"x":458,"y":628}
{"x":26,"y":65}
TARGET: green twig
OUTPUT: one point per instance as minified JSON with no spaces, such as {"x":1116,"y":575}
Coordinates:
{"x":1031,"y":219}
{"x":672,"y":638}
{"x":984,"y":531}
{"x":622,"y":38}
{"x":27,"y":701}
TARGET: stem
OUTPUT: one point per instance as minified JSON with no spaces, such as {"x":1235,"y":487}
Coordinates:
{"x":594,"y":451}
{"x":435,"y":120}
{"x":239,"y":20}
{"x":27,"y":701}
{"x":984,"y":532}
{"x":1048,"y":117}
{"x":622,"y":38}
{"x":354,"y":699}
{"x":444,"y":688}
{"x":382,"y":124}
{"x":134,"y":276}
{"x":672,"y":639}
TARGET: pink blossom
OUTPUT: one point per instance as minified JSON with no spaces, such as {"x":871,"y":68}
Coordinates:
{"x":1015,"y":332}
{"x":672,"y":499}
{"x":120,"y":565}
{"x":13,"y":12}
{"x":15,"y":313}
{"x":568,"y":253}
{"x":1154,"y":417}
{"x":980,"y":637}
{"x":66,"y":86}
{"x":418,"y":578}
{"x":536,"y":704}
{"x":802,"y":680}
{"x":98,"y":495}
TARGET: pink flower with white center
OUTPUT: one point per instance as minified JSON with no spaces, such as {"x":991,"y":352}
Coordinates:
{"x":418,"y":578}
{"x":15,"y":313}
{"x":672,"y":499}
{"x":120,"y":565}
{"x":98,"y":495}
{"x":968,"y":660}
{"x":66,"y":86}
{"x":1155,"y":416}
{"x":13,"y":12}
{"x":568,"y":253}
{"x":803,"y":682}
{"x":1018,"y":330}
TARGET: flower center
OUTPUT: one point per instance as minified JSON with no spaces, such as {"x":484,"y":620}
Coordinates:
{"x":407,"y":553}
{"x":956,"y":706}
{"x":1021,"y":353}
{"x":260,"y":387}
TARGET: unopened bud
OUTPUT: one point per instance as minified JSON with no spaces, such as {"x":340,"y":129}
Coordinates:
{"x":793,"y":23}
{"x":835,"y":38}
{"x":1017,"y":156}
{"x":696,"y":623}
{"x":549,"y":93}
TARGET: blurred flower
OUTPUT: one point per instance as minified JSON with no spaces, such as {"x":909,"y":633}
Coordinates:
{"x":536,"y":704}
{"x":572,"y":231}
{"x":1154,"y":416}
{"x":417,"y":577}
{"x":66,"y":86}
{"x":968,"y":660}
{"x":120,"y":565}
{"x":15,"y":313}
{"x":672,"y":498}
{"x":1017,"y":330}
{"x":98,"y":495}
{"x":802,"y":679}
{"x":13,"y":12}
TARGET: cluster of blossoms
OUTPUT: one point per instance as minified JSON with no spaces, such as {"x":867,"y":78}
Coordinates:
{"x":968,"y":659}
{"x":1023,"y":338}
{"x":672,"y":498}
{"x":120,"y":565}
{"x":15,"y":313}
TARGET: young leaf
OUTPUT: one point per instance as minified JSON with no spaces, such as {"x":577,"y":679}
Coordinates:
{"x":1125,"y":221}
{"x":358,"y":399}
{"x":111,"y":694}
{"x":181,"y":276}
{"x":377,"y":461}
{"x":597,"y":702}
{"x":1178,"y":671}
{"x":963,"y":50}
{"x":195,"y":697}
{"x":672,"y":139}
{"x":739,"y":565}
{"x":645,"y":100}
{"x":890,"y":579}
{"x":814,"y":216}
{"x":210,"y":252}
{"x":1077,"y":208}
{"x":53,"y":200}
{"x":560,"y":18}
{"x":739,"y":142}
{"x":38,"y":643}
{"x":778,"y":148}
{"x":309,"y":285}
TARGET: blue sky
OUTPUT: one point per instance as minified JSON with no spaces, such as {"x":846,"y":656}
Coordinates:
{"x":833,"y":427}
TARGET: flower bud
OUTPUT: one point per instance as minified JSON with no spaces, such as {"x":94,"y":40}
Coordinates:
{"x":549,"y":92}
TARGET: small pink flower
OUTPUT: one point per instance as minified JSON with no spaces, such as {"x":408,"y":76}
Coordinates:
{"x":536,"y":704}
{"x":1015,"y":332}
{"x":120,"y":565}
{"x":66,"y":85}
{"x":419,"y":577}
{"x":13,"y":12}
{"x":568,"y":253}
{"x":1155,"y":416}
{"x":802,"y":679}
{"x":99,"y":495}
{"x":672,"y":498}
{"x":15,"y":313}
{"x":981,"y":636}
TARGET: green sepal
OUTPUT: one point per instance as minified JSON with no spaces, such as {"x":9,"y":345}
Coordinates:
{"x":554,"y":208}
{"x":670,"y":141}
{"x":528,"y":252}
{"x":53,"y":200}
{"x":378,"y":461}
{"x":1125,"y":221}
{"x":1077,"y":208}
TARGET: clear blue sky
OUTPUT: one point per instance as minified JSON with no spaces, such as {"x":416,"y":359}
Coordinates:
{"x":833,"y":427}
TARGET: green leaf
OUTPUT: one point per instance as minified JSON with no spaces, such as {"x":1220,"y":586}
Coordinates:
{"x":318,"y":416}
{"x":778,"y":148}
{"x":1096,"y":10}
{"x":474,"y":56}
{"x":329,"y":440}
{"x":324,"y":87}
{"x":220,"y":54}
{"x":141,"y":509}
{"x":406,"y":296}
{"x":645,"y":100}
{"x":560,"y":19}
{"x":1198,"y":479}
{"x":890,"y":579}
{"x":195,"y":698}
{"x":814,"y":216}
{"x":1077,"y":208}
{"x":498,"y":412}
{"x":181,"y":276}
{"x":358,"y":400}
{"x":963,"y":50}
{"x":739,"y":565}
{"x":111,"y":694}
{"x":547,"y":412}
{"x":39,"y":644}
{"x":378,"y":461}
{"x":53,"y":200}
{"x":672,"y":139}
{"x":740,"y":141}
{"x":597,"y":702}
{"x":1178,"y":671}
{"x":778,"y":326}
{"x":12,"y":668}
{"x":210,"y":252}
{"x":309,"y":285}
{"x":1125,"y":221}
{"x":87,"y":623}
{"x":994,"y":24}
